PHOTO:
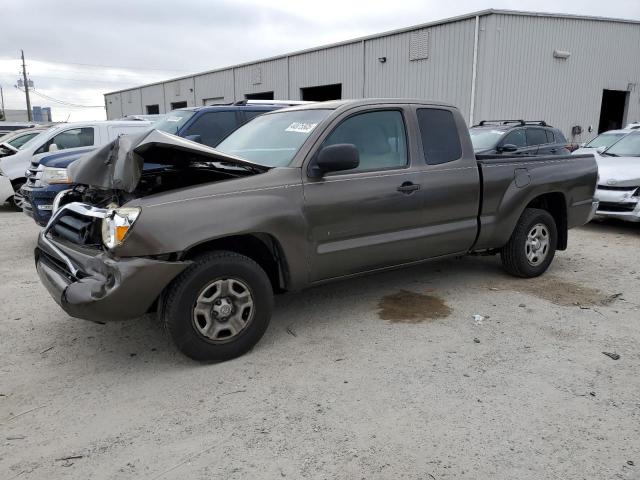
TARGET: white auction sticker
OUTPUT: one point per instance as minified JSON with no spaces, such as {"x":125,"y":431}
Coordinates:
{"x":300,"y":127}
{"x":173,"y":119}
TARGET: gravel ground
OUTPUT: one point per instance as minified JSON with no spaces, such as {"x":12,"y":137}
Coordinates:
{"x":385,"y":377}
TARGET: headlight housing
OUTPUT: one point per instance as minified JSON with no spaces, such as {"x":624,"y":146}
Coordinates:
{"x":116,"y":225}
{"x":52,"y":175}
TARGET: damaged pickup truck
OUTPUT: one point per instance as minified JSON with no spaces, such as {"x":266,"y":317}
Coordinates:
{"x":292,"y":199}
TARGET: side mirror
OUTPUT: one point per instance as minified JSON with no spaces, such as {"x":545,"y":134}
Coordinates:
{"x":194,"y":138}
{"x":53,"y":147}
{"x":508,"y":147}
{"x":335,"y":158}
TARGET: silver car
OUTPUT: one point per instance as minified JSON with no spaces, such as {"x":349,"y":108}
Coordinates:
{"x":618,"y":188}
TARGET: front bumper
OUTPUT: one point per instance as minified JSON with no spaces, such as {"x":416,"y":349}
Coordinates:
{"x":620,"y":204}
{"x":6,"y":189}
{"x":90,"y":284}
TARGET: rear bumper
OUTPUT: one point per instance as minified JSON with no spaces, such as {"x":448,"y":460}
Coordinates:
{"x":6,"y":189}
{"x":89,"y":284}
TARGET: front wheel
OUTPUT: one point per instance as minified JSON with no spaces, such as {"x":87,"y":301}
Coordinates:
{"x":219,"y":307}
{"x":532,"y":245}
{"x":17,"y":201}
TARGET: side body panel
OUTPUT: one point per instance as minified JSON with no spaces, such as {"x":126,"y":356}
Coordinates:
{"x":509,"y":185}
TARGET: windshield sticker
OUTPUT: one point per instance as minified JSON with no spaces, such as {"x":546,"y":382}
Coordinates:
{"x":301,"y":127}
{"x":173,"y":119}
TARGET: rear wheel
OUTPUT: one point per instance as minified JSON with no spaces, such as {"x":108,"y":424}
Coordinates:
{"x":532,"y":245}
{"x":219,"y":307}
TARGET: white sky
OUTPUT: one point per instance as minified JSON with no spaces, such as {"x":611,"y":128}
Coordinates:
{"x":77,"y":49}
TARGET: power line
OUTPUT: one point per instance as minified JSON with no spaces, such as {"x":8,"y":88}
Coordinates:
{"x":61,"y":102}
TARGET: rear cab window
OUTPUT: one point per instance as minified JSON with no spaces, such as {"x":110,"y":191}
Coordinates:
{"x":439,"y":134}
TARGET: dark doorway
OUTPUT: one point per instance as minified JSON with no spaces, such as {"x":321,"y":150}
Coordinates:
{"x":259,"y":96}
{"x":322,"y":93}
{"x":175,"y":105}
{"x":153,"y":109}
{"x":612,"y":110}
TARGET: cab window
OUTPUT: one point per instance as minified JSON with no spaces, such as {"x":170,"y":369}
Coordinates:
{"x":517,"y":138}
{"x":379,"y":137}
{"x":439,"y":133}
{"x":212,"y":127}
{"x":73,"y":138}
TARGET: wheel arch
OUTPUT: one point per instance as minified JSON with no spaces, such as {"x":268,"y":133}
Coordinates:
{"x":556,"y":204}
{"x":263,"y":248}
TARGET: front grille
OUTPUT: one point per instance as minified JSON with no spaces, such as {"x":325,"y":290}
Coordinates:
{"x":616,"y":207}
{"x":617,"y":189}
{"x":34,"y":174}
{"x":77,"y":228}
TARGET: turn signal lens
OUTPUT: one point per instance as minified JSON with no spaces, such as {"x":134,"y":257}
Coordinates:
{"x":116,"y":225}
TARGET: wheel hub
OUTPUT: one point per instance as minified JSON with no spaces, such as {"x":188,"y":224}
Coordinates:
{"x":223,"y":309}
{"x":537,"y":244}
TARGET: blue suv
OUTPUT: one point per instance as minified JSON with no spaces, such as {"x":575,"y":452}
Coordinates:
{"x":207,"y":125}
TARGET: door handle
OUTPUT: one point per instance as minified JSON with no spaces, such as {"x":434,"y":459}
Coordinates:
{"x":408,"y":187}
{"x":553,"y":150}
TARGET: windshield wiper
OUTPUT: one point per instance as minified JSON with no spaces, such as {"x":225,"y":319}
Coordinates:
{"x":609,"y":154}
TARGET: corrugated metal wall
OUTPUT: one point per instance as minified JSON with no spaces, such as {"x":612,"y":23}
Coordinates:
{"x":445,"y":75}
{"x":152,"y":95}
{"x":518,"y":76}
{"x":342,"y":64}
{"x":260,"y":77}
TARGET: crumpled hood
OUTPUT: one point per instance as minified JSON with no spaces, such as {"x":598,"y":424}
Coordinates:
{"x":118,"y":165}
{"x":619,"y":171}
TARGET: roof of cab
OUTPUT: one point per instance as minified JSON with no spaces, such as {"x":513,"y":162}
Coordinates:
{"x":351,"y":103}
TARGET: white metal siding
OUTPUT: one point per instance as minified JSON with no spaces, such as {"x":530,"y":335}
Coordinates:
{"x":215,"y":85}
{"x":131,"y":102}
{"x":114,"y":107}
{"x":444,"y":76}
{"x":152,"y":95}
{"x":262,"y":77}
{"x":342,"y":64}
{"x":518,"y":76}
{"x":179,"y":91}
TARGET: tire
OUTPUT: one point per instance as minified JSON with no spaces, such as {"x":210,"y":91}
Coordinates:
{"x":522,"y":256}
{"x":219,"y":307}
{"x":17,"y":200}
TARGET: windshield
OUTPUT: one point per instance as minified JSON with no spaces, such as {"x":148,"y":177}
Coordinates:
{"x":20,"y":140}
{"x":605,"y":140}
{"x":35,"y":140}
{"x":484,"y":138}
{"x":629,"y":146}
{"x":274,"y":139}
{"x":173,"y":121}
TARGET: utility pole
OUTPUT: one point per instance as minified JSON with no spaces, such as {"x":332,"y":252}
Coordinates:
{"x":26,"y":88}
{"x":2,"y":102}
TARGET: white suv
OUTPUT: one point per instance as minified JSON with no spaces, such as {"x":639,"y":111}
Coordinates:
{"x":67,"y":136}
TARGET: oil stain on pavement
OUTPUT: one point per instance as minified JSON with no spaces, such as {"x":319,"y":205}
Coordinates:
{"x":411,"y":307}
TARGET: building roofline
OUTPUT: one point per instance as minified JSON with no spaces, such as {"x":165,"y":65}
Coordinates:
{"x":458,"y":18}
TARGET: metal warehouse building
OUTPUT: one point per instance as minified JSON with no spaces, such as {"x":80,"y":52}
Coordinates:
{"x":577,"y":73}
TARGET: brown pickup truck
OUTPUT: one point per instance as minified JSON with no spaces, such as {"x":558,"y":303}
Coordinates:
{"x":292,"y":199}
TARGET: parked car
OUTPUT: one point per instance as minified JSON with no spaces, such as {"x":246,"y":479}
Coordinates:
{"x":292,"y":199}
{"x":48,"y":176}
{"x":517,"y":138}
{"x":619,"y":180}
{"x":7,"y":127}
{"x":603,"y":141}
{"x":633,"y":126}
{"x":68,"y":136}
{"x":11,"y":142}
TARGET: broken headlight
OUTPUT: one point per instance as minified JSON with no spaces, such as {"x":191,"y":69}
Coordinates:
{"x":116,"y":225}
